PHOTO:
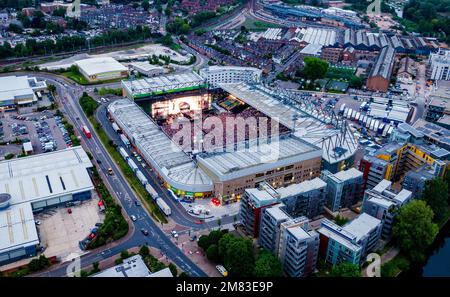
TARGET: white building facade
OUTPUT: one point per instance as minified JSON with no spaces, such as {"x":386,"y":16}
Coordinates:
{"x":216,"y":75}
{"x":440,"y":65}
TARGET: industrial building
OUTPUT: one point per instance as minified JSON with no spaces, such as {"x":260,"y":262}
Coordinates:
{"x":351,"y":242}
{"x":32,"y":184}
{"x":18,"y":91}
{"x":147,"y":69}
{"x":380,"y":75}
{"x":382,"y":203}
{"x":303,"y":199}
{"x":344,"y":188}
{"x":215,"y":75}
{"x":101,"y":69}
{"x":289,"y":239}
{"x":437,"y":108}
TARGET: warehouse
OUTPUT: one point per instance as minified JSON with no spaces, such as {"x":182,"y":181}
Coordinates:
{"x":31,"y":184}
{"x":100,"y":69}
{"x":19,"y":91}
{"x":147,"y":69}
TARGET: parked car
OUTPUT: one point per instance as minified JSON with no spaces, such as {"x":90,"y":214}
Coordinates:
{"x":133,"y":218}
{"x":144,"y":231}
{"x":174,"y":234}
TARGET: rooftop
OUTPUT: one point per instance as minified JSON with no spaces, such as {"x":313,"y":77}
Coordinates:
{"x":163,"y":83}
{"x":171,"y":161}
{"x":131,"y":267}
{"x":94,"y":66}
{"x":277,"y":213}
{"x":38,"y":177}
{"x":17,"y":228}
{"x":18,"y":87}
{"x":384,"y":64}
{"x":310,"y":124}
{"x":348,"y":174}
{"x":433,"y":131}
{"x":362,"y":225}
{"x":259,"y":156}
{"x":303,"y":187}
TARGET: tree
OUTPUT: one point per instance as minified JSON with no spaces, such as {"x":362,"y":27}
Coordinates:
{"x":239,"y":259}
{"x":204,"y":242}
{"x":95,"y":267}
{"x":356,"y":82}
{"x":223,"y":245}
{"x":145,"y":5}
{"x":346,"y":269}
{"x":173,"y":269}
{"x":15,"y":28}
{"x":124,"y":254}
{"x":315,"y":68}
{"x":212,"y":253}
{"x":436,"y":196}
{"x":267,"y":265}
{"x":414,"y":229}
{"x":144,"y":251}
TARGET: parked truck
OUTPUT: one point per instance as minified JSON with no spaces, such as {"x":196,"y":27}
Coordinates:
{"x":132,"y":165}
{"x":124,"y":153}
{"x":151,"y":191}
{"x":141,"y":177}
{"x":125,"y":140}
{"x":116,"y":128}
{"x":163,"y":206}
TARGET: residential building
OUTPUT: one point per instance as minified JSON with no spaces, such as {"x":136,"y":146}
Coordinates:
{"x":440,"y":65}
{"x":437,"y":108}
{"x":303,"y":199}
{"x":416,"y":179}
{"x":351,"y":242}
{"x":289,"y":239}
{"x":344,"y":188}
{"x":382,"y":203}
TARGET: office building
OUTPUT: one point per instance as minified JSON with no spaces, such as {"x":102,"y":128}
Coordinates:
{"x":440,"y":65}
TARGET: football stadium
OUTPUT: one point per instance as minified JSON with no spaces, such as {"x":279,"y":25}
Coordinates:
{"x":217,"y":142}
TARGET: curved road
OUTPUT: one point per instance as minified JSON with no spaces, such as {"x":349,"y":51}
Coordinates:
{"x":69,"y":94}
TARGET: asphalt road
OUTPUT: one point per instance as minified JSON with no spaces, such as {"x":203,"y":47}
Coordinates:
{"x":156,"y":238}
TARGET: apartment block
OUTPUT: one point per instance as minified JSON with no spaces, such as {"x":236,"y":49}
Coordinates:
{"x":382,"y":202}
{"x":344,"y":188}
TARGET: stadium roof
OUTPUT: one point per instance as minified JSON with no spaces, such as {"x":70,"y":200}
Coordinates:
{"x":40,"y":177}
{"x":172,"y":162}
{"x":93,"y":66}
{"x":260,"y":156}
{"x":311,"y":125}
{"x":17,"y":228}
{"x":163,"y":84}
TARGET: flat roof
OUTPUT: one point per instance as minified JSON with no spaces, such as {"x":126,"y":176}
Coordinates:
{"x":40,"y":177}
{"x":348,"y":174}
{"x":258,"y":157}
{"x":162,"y":273}
{"x":15,"y":87}
{"x":311,"y":125}
{"x":145,"y":66}
{"x":303,"y":187}
{"x":162,"y":83}
{"x":277,"y":213}
{"x":362,"y":225}
{"x":17,"y":228}
{"x":311,"y":49}
{"x":382,"y":186}
{"x":433,"y":131}
{"x":216,"y":68}
{"x":298,"y":233}
{"x":178,"y":169}
{"x":131,"y":267}
{"x":94,"y":66}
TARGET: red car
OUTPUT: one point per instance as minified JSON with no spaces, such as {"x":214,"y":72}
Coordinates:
{"x":69,"y":210}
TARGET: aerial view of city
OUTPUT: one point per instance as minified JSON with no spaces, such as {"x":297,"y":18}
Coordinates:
{"x":225,"y":139}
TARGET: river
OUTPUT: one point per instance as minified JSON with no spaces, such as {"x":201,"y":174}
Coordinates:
{"x":438,"y":258}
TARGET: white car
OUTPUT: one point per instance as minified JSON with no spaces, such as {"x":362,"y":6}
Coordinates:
{"x":133,"y":218}
{"x":37,"y":222}
{"x":174,"y":234}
